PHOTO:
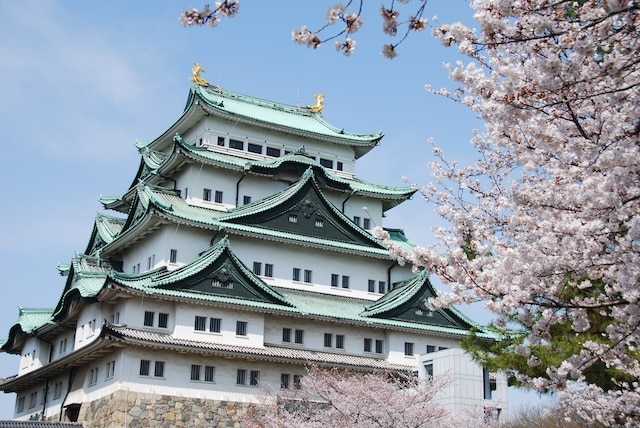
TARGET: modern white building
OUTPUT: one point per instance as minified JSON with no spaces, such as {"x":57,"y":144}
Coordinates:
{"x":241,"y":252}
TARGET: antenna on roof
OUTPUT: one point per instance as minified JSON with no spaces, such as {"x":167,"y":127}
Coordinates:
{"x":298,"y":94}
{"x":219,"y":73}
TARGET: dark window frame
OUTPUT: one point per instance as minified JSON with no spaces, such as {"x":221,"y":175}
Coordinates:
{"x":149,"y":318}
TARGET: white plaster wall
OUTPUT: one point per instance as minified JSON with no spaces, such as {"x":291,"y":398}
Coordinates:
{"x":177,"y":374}
{"x":88,"y":325}
{"x":58,"y":343}
{"x":465,"y":393}
{"x":132,"y":313}
{"x":32,"y":353}
{"x":285,"y":257}
{"x":189,"y":242}
{"x":210,"y":128}
{"x":185,"y":319}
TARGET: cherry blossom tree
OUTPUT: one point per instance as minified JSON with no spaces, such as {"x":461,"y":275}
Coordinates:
{"x":545,"y":226}
{"x":345,"y":399}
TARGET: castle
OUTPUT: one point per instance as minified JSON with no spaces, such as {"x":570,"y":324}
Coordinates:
{"x":241,"y":252}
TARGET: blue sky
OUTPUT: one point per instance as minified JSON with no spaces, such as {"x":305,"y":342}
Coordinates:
{"x":81,"y":81}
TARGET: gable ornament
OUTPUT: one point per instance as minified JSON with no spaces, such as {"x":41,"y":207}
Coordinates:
{"x":319,"y":105}
{"x":195,"y":75}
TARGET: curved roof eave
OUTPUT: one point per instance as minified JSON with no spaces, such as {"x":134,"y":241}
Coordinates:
{"x":198,"y":106}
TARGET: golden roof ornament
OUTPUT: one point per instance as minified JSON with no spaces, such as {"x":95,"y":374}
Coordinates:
{"x":319,"y":104}
{"x":195,"y":75}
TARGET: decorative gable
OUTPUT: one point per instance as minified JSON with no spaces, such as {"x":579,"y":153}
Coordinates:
{"x":218,"y":272}
{"x":301,"y":209}
{"x":407,"y":302}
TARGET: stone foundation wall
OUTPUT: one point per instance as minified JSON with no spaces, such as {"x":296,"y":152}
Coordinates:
{"x":133,"y":410}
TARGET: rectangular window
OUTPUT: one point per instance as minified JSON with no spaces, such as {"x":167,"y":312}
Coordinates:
{"x":254,"y":378}
{"x":296,"y":274}
{"x":328,"y":340}
{"x":299,"y":336}
{"x":372,"y":286}
{"x":63,"y":346}
{"x":209,"y":373}
{"x":408,"y":349}
{"x":345,"y":281}
{"x":148,"y":318}
{"x":431,"y":348}
{"x":286,"y":334}
{"x":221,"y":141}
{"x":93,"y":376}
{"x":379,"y":346}
{"x":334,"y":279}
{"x":214,"y":325}
{"x":186,"y":193}
{"x":284,"y":381}
{"x":307,"y":275}
{"x":382,"y":287}
{"x":57,"y":390}
{"x":246,"y":200}
{"x":273,"y":152}
{"x":206,"y":194}
{"x":339,"y":166}
{"x":173,"y":256}
{"x":218,"y":197}
{"x":489,"y":382}
{"x":200,"y":323}
{"x":241,"y":328}
{"x":254,"y":148}
{"x":241,"y":377}
{"x":268,"y":270}
{"x":236,"y":144}
{"x":367,"y":345}
{"x":144,"y":367}
{"x":158,"y":370}
{"x":428,"y":370}
{"x":366,"y":223}
{"x":327,"y":163}
{"x":356,"y":220}
{"x":293,"y":218}
{"x":257,"y":268}
{"x":111,"y":369}
{"x":163,"y":320}
{"x":296,"y":381}
{"x":195,"y":372}
{"x":20,"y":404}
{"x":148,"y":263}
{"x":33,"y":398}
{"x":319,"y":222}
{"x":340,"y":341}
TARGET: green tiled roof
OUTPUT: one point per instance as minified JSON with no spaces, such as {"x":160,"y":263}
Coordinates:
{"x":270,"y":352}
{"x":288,"y":118}
{"x":407,"y":302}
{"x":30,"y":319}
{"x":340,"y":233}
{"x":349,"y":309}
{"x":194,"y":280}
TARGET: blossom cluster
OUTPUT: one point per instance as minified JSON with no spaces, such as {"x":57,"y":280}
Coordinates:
{"x":207,"y":16}
{"x":350,"y":22}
